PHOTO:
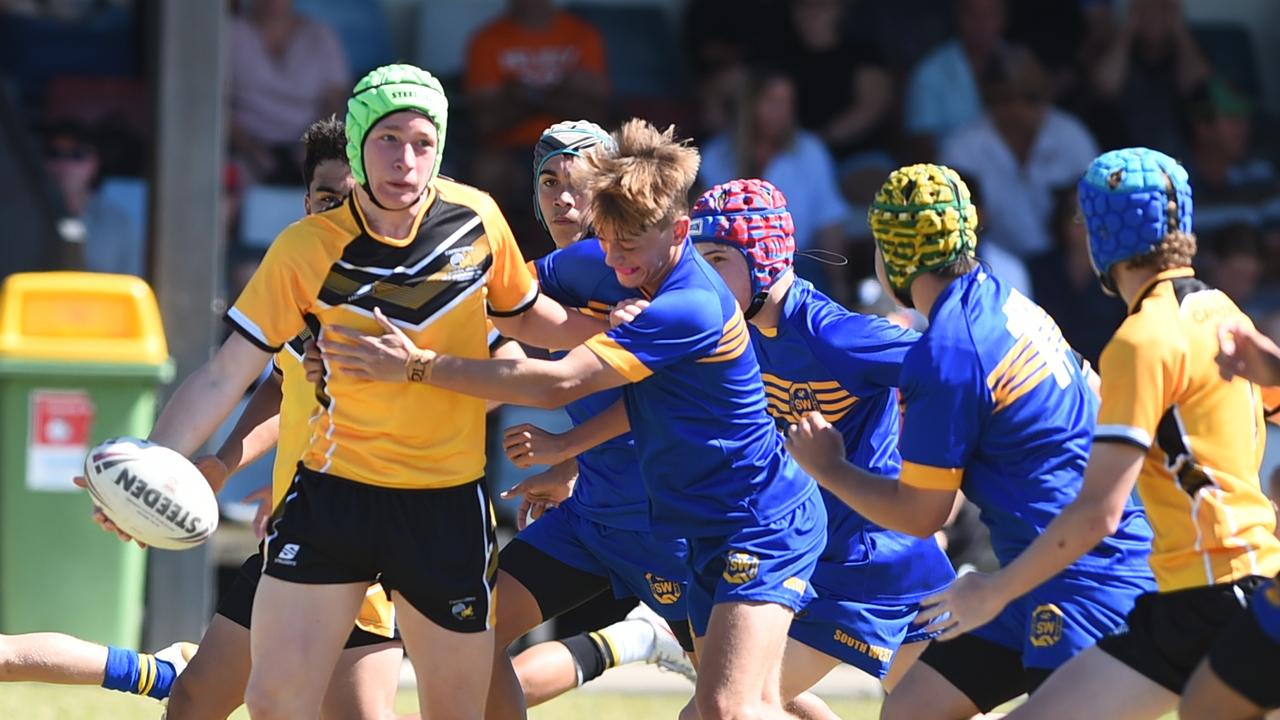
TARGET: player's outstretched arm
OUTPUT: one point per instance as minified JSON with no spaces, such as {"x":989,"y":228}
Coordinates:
{"x":819,"y":448}
{"x":254,"y":434}
{"x":393,"y":357}
{"x":1248,"y":353}
{"x":208,"y":395}
{"x":548,"y":324}
{"x":974,"y":599}
{"x":527,"y":445}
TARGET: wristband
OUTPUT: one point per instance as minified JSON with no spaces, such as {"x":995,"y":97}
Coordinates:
{"x":418,"y":367}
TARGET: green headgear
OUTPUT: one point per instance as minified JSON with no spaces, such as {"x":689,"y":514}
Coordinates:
{"x":922,"y":219}
{"x":390,"y":89}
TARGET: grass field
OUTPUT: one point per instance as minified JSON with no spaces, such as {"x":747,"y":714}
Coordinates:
{"x":22,"y":701}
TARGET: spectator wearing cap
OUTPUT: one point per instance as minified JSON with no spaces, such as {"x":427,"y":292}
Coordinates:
{"x":768,"y":144}
{"x":1019,"y":151}
{"x":1234,"y":183}
{"x":112,"y":242}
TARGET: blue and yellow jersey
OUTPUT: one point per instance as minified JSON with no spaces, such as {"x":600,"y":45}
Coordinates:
{"x":710,"y":455}
{"x":609,"y":489}
{"x":846,"y":365}
{"x":997,"y":406}
{"x":1203,"y":436}
{"x":332,"y":269}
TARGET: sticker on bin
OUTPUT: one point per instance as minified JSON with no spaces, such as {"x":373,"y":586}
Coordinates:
{"x":57,"y":438}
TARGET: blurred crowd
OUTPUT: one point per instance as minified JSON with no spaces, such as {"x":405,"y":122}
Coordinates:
{"x":821,"y":97}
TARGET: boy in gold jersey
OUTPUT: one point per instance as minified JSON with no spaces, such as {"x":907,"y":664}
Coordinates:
{"x":390,"y":484}
{"x":1191,"y":441}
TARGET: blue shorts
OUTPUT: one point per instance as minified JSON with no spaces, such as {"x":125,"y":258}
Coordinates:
{"x":1065,"y":615}
{"x":767,"y":563}
{"x":636,"y":563}
{"x":864,"y":635}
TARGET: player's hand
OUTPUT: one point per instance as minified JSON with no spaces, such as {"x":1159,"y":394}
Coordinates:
{"x":970,"y":602}
{"x":312,"y":362}
{"x":103,"y":521}
{"x":1244,"y":351}
{"x":385,"y":357}
{"x":545,"y":490}
{"x":627,"y":311}
{"x":215,"y":471}
{"x":816,"y":445}
{"x":528,"y":445}
{"x":262,"y":497}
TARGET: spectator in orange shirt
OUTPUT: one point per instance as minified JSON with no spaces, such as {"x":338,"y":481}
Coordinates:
{"x":529,"y":68}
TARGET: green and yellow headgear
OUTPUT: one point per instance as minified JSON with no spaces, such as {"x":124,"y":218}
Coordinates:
{"x":386,"y":90}
{"x":923,"y":219}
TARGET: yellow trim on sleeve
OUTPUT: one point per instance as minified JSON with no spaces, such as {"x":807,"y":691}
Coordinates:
{"x":929,"y":477}
{"x":618,"y":357}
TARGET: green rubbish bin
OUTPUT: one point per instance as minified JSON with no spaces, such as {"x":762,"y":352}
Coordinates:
{"x":81,"y":358}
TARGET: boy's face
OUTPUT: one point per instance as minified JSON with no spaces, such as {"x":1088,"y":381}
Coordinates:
{"x":399,"y":157}
{"x":560,"y":201}
{"x":731,"y":264}
{"x":643,"y":260}
{"x":330,"y":186}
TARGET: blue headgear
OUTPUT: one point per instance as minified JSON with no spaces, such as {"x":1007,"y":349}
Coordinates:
{"x":1125,"y":198}
{"x":571,"y":137}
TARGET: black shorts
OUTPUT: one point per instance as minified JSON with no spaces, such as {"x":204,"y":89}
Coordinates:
{"x":1246,"y":660}
{"x":236,"y":605}
{"x":435,"y":547}
{"x":987,"y":673}
{"x":559,"y":588}
{"x":1168,"y":634}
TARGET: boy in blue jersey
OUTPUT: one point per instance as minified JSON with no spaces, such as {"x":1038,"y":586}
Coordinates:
{"x":710,"y":456}
{"x":598,"y":537}
{"x":817,"y":356}
{"x":997,"y":405}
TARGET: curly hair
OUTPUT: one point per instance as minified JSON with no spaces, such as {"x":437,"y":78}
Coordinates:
{"x":642,"y":183}
{"x":324,"y":140}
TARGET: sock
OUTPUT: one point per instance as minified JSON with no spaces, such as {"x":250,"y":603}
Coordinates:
{"x":138,"y":673}
{"x":591,"y":657}
{"x":629,"y":640}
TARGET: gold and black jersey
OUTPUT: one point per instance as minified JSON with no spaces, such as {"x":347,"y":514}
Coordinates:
{"x":1204,"y":436}
{"x":332,"y":269}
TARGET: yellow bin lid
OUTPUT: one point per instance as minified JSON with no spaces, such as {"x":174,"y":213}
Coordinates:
{"x":80,"y":316}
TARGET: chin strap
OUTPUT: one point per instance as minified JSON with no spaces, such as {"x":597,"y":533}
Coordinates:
{"x":374,"y":198}
{"x":757,"y":303}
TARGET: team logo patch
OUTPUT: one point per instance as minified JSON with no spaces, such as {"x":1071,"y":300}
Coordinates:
{"x":802,"y":399}
{"x":666,"y":592}
{"x":1046,"y":625}
{"x":288,"y":554}
{"x":463,"y":608}
{"x":462,"y":266}
{"x":740,"y":567}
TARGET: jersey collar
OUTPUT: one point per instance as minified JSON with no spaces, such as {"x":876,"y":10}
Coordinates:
{"x":1150,"y":285}
{"x":413,"y":230}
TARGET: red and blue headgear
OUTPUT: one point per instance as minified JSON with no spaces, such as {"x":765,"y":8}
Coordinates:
{"x":752,"y":216}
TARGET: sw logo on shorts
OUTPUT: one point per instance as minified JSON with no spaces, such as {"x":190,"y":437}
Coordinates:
{"x":288,"y":553}
{"x":463,"y":608}
{"x":1046,"y":625}
{"x":740,"y":567}
{"x":666,"y":592}
{"x":802,"y":399}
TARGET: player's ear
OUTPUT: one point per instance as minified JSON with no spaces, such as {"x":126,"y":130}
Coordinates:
{"x":679,"y":229}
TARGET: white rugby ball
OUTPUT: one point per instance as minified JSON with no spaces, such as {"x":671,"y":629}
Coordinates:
{"x":152,"y":493}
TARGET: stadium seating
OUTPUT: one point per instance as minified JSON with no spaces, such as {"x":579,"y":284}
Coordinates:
{"x":362,"y":27}
{"x":265,"y":211}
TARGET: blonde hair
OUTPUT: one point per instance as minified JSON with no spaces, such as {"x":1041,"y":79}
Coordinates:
{"x":642,"y":183}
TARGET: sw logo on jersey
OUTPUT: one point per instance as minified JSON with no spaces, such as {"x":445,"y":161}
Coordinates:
{"x":802,"y":399}
{"x":1046,"y":625}
{"x":740,"y":567}
{"x":665,"y":591}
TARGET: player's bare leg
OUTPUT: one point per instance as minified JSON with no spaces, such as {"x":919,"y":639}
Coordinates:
{"x":364,"y":683}
{"x":802,"y":668}
{"x":453,"y":668}
{"x":1115,"y":691}
{"x":739,"y":658}
{"x":1206,"y":697}
{"x":518,"y":613}
{"x":213,"y":685}
{"x":924,"y":693}
{"x":903,"y":660}
{"x":297,"y":635}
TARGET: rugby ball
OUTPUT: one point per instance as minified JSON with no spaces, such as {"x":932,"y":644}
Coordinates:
{"x":152,"y":493}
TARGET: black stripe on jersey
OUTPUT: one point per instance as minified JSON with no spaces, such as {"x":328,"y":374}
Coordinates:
{"x":247,"y":335}
{"x":313,"y":330}
{"x":1184,"y":286}
{"x":1178,"y":458}
{"x":521,"y":308}
{"x":372,"y":274}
